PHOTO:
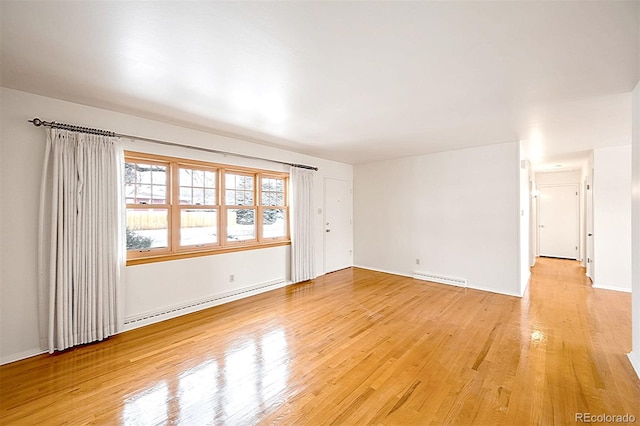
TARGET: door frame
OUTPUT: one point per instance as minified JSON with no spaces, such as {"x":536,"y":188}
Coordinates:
{"x":589,"y":261}
{"x":576,"y":188}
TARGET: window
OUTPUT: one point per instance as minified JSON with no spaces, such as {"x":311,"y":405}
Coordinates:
{"x":148,"y":209}
{"x":240,"y":200}
{"x":180,"y":208}
{"x":273,"y":208}
{"x":198,"y":206}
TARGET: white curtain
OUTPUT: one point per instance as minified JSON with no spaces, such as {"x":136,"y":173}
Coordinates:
{"x":302,"y":253}
{"x":81,"y":253}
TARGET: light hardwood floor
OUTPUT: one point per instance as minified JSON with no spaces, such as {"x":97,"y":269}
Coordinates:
{"x":353,"y":347}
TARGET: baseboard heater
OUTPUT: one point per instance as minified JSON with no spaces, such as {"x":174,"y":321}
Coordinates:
{"x":197,"y":305}
{"x":424,"y":276}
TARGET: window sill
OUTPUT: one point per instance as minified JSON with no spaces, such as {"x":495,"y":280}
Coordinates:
{"x":189,"y":254}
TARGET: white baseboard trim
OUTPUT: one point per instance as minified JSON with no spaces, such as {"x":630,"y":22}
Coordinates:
{"x":21,"y":355}
{"x":491,"y":290}
{"x":634,"y":358}
{"x":168,"y":312}
{"x":386,"y":271}
{"x":610,"y":287}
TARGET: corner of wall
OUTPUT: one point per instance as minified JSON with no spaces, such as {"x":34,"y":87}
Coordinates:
{"x":634,"y":356}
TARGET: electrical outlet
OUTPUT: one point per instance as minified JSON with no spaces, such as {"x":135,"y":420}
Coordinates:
{"x":232,"y":278}
{"x":417,"y":261}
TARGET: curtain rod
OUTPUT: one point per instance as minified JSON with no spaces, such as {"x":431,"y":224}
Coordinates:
{"x":55,"y":125}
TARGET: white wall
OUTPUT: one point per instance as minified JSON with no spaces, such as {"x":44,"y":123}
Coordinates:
{"x":634,"y":356}
{"x":150,"y":287}
{"x":525,"y":200}
{"x":558,"y":178}
{"x":533,"y":222}
{"x":457,"y":211}
{"x":612,"y":218}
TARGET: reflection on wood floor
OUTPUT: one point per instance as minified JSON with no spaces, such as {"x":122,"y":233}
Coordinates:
{"x":352,"y":347}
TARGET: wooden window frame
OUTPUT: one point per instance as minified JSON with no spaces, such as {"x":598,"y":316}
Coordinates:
{"x":178,"y":207}
{"x":160,"y":251}
{"x":226,"y":207}
{"x":174,"y":209}
{"x":285,"y":207}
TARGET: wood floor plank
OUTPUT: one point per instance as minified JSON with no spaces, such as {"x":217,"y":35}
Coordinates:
{"x":351,"y":347}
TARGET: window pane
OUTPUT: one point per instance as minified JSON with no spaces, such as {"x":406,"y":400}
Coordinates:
{"x":272,"y":192}
{"x":158,"y":194}
{"x":209,"y":196}
{"x":244,"y":198}
{"x":269,"y":199}
{"x":143,"y":194}
{"x":247,"y":182}
{"x":130,"y":193}
{"x":159,"y":176}
{"x":230,"y":180}
{"x":198,"y":177}
{"x":210,"y":179}
{"x":198,"y":196}
{"x":147,"y":228}
{"x":233,"y":181}
{"x":197,"y":187}
{"x":266,"y":184}
{"x":241,"y":224}
{"x":129,"y":173}
{"x":240,"y":198}
{"x":198,"y":227}
{"x":185,"y":196}
{"x":274,"y":223}
{"x":144,"y":173}
{"x":230,"y":198}
{"x":145,"y":183}
{"x":185,"y":177}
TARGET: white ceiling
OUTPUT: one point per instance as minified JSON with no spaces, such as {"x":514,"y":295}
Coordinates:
{"x":349,"y":81}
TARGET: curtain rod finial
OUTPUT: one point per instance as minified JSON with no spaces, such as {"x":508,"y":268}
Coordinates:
{"x":36,"y":122}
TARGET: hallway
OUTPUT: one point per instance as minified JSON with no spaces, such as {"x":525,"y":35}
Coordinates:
{"x":579,"y":338}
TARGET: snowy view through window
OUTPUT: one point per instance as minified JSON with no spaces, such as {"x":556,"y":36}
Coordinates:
{"x":149,"y":207}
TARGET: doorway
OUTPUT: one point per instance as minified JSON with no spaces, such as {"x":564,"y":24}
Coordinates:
{"x":338,"y":225}
{"x":558,"y":221}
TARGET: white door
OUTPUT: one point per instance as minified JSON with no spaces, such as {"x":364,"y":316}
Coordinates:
{"x":589,"y":227}
{"x":338,"y":235}
{"x":558,"y":221}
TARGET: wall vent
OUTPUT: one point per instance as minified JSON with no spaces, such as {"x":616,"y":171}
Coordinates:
{"x":177,"y":310}
{"x":460,"y":282}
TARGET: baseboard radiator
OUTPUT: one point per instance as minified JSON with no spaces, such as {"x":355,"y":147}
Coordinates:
{"x":197,"y":305}
{"x":424,"y":276}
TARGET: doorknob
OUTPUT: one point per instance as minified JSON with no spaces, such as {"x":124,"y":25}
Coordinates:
{"x":328,"y":230}
{"x":589,"y":235}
